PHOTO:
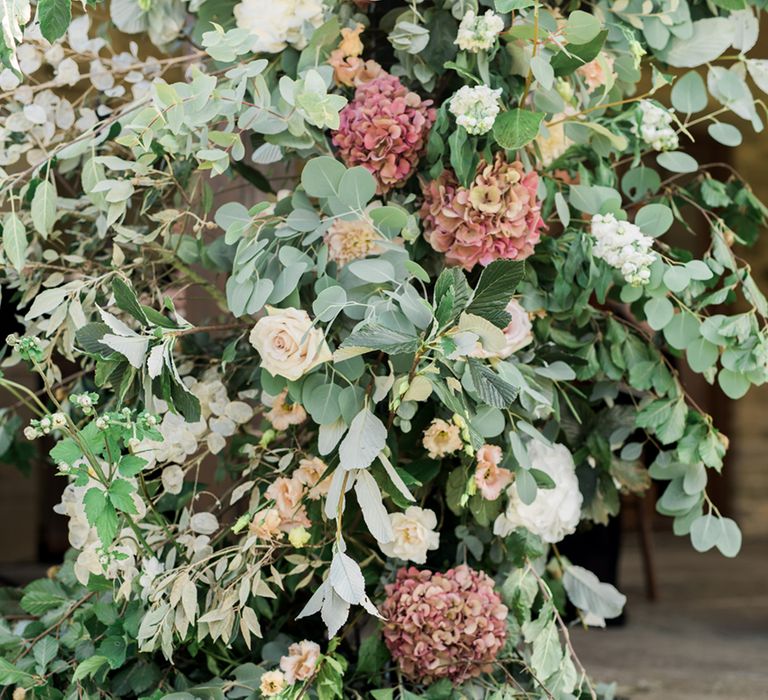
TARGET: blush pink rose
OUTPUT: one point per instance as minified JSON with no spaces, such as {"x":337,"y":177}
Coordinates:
{"x":491,"y":479}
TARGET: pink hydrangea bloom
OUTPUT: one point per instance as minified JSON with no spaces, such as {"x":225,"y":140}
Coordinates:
{"x":384,"y":129}
{"x":497,"y":216}
{"x":449,"y":625}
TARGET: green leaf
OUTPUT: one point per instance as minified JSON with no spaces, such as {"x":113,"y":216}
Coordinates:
{"x":490,"y":387}
{"x":14,"y":241}
{"x":45,"y":651}
{"x":682,"y":330}
{"x":705,"y":532}
{"x":11,"y":675}
{"x":733,"y":384}
{"x":44,"y":208}
{"x":89,"y":667}
{"x":101,"y":514}
{"x":321,"y":177}
{"x":590,"y":594}
{"x":701,"y":355}
{"x":581,"y":27}
{"x":654,"y":219}
{"x":43,"y":595}
{"x":126,"y":300}
{"x":329,"y":303}
{"x":120,"y":494}
{"x":494,"y":290}
{"x":54,"y":16}
{"x":677,"y":162}
{"x":727,"y":134}
{"x":677,"y":278}
{"x":378,"y":337}
{"x":659,"y":312}
{"x":516,"y":128}
{"x":729,"y":542}
{"x":356,"y":188}
{"x":689,"y":94}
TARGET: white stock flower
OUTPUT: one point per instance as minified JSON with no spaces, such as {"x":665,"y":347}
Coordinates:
{"x":414,"y":535}
{"x":478,"y":33}
{"x":277,"y":23}
{"x":555,"y":512}
{"x":475,"y":108}
{"x":656,"y":127}
{"x":288,"y":344}
{"x":623,"y":246}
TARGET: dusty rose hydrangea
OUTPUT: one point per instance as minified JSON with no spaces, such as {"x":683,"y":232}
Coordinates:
{"x":497,"y":216}
{"x":449,"y":625}
{"x":384,"y":129}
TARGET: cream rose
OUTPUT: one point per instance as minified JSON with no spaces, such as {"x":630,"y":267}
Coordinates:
{"x":277,"y":23}
{"x":414,"y":535}
{"x":555,"y":512}
{"x":442,"y":438}
{"x":288,"y":344}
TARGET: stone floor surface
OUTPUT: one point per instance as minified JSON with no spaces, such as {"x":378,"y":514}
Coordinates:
{"x":705,"y":638}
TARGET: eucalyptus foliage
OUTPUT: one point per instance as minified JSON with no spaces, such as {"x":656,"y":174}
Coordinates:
{"x":111,"y":167}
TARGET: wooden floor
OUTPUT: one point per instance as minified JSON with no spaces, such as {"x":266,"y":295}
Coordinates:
{"x":706,"y":637}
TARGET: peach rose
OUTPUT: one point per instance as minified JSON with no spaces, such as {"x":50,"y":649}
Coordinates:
{"x":266,"y":524}
{"x":272,"y":683}
{"x":288,"y":344}
{"x":287,"y":495}
{"x":597,"y":71}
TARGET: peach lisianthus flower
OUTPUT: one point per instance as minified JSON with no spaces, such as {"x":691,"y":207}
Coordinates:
{"x":352,"y":240}
{"x":282,"y":414}
{"x":309,"y":473}
{"x":353,"y":71}
{"x":597,"y":72}
{"x":287,"y":495}
{"x":491,"y":479}
{"x":266,"y":524}
{"x":301,"y":661}
{"x":442,"y":438}
{"x":350,"y":44}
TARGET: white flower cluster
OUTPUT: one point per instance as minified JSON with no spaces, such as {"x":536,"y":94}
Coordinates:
{"x":38,"y":428}
{"x":623,"y":246}
{"x":277,"y":23}
{"x":219,"y":419}
{"x":475,"y":108}
{"x":478,"y":33}
{"x":656,"y":127}
{"x":37,"y":117}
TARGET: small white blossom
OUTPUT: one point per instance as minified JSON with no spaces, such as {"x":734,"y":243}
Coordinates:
{"x":623,"y":246}
{"x":31,"y":433}
{"x":475,"y":108}
{"x":478,"y":33}
{"x":58,"y":420}
{"x":656,"y":127}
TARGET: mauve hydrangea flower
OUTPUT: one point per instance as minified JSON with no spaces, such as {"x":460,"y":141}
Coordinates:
{"x":384,"y":129}
{"x":497,"y":216}
{"x":449,"y":625}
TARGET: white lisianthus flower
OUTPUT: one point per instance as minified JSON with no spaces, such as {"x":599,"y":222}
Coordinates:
{"x":623,"y":246}
{"x":478,"y":33}
{"x":414,"y":535}
{"x":288,"y":344}
{"x":277,"y":23}
{"x":656,"y":127}
{"x":555,"y":512}
{"x":475,"y":108}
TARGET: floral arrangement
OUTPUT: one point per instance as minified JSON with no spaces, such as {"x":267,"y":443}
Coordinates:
{"x":323,"y":442}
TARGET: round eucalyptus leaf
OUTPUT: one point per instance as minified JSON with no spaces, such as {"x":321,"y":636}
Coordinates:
{"x":659,"y":312}
{"x":677,"y":278}
{"x":733,"y":384}
{"x":654,"y":219}
{"x":689,"y":94}
{"x":682,"y":330}
{"x":701,"y":355}
{"x":727,"y":134}
{"x":677,"y":162}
